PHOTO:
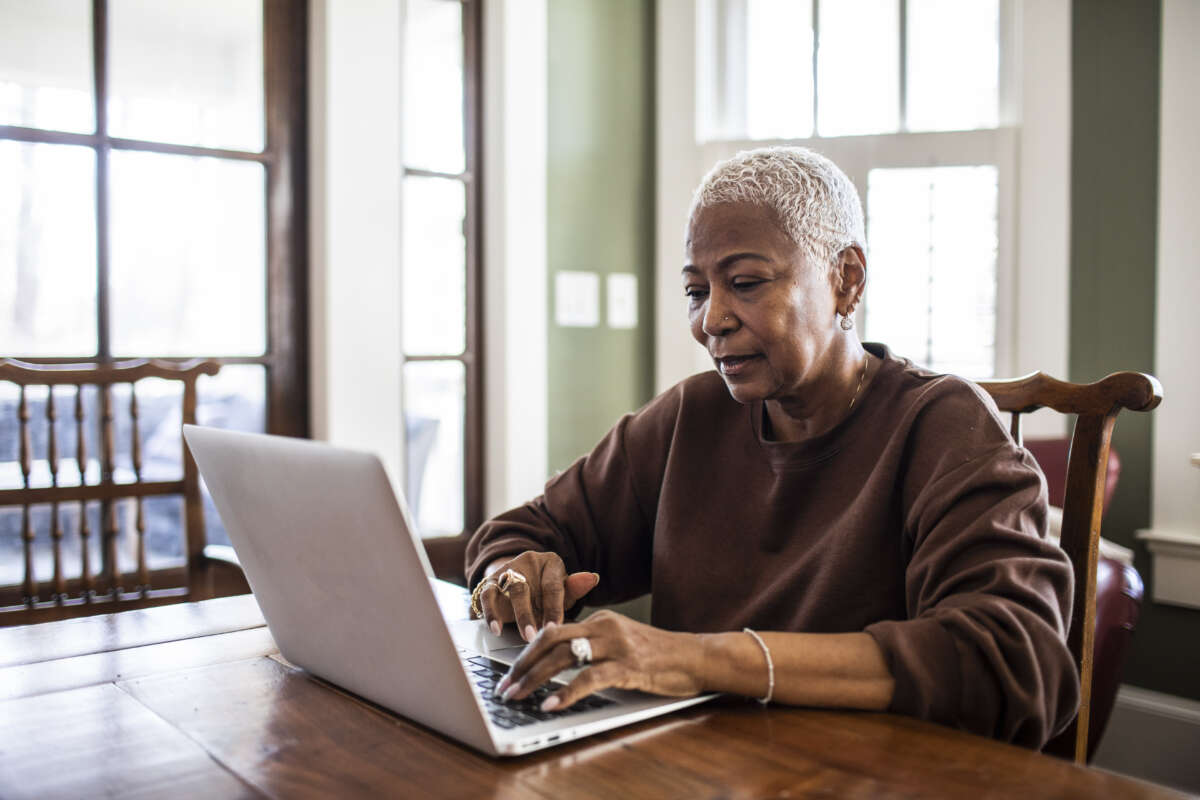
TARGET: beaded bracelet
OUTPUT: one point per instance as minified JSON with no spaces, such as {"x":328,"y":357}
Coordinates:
{"x":770,"y":666}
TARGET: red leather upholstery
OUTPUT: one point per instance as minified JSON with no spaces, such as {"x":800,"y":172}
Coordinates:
{"x":1118,"y":603}
{"x":1119,"y":593}
{"x":1051,"y":455}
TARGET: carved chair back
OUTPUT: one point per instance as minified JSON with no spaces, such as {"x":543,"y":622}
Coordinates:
{"x":68,"y":487}
{"x":1095,"y":406}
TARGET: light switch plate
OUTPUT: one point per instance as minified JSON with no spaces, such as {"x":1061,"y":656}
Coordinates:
{"x":577,"y":299}
{"x":622,"y":300}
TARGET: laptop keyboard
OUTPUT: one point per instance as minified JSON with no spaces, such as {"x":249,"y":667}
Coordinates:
{"x":487,"y":672}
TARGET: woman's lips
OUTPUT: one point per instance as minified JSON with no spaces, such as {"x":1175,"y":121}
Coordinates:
{"x":735,"y":365}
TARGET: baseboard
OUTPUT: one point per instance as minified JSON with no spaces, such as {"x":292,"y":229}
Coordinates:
{"x":1153,"y":736}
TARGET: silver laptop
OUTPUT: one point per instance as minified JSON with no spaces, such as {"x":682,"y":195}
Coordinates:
{"x":337,"y":567}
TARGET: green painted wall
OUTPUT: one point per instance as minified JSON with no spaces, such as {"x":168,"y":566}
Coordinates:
{"x":600,"y":209}
{"x":1114,"y":225}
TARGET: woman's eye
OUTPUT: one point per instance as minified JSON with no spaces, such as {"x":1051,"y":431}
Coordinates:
{"x":747,"y":284}
{"x":695,"y":294}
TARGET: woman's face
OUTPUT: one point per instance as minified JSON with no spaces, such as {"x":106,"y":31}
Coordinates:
{"x":766,"y":315}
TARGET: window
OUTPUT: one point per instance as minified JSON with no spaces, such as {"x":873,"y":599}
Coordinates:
{"x":153,"y":203}
{"x":940,"y":223}
{"x":440,"y":273}
{"x":911,"y":99}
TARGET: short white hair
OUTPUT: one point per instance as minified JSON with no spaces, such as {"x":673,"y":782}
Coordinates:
{"x":813,"y":200}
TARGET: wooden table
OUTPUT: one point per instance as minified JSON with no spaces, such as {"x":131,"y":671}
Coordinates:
{"x":192,"y":700}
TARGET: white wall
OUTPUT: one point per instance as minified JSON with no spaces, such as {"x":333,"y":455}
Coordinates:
{"x":514,"y":225}
{"x":1176,"y":502}
{"x":1043,"y":232}
{"x":355,"y":175}
{"x":677,"y":156}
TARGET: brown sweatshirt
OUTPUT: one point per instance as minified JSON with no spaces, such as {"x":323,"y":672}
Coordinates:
{"x":915,"y":519}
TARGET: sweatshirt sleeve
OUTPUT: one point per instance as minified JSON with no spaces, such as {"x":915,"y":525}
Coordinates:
{"x":988,"y":598}
{"x":598,"y":514}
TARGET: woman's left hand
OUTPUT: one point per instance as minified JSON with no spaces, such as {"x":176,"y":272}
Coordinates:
{"x":625,"y":655}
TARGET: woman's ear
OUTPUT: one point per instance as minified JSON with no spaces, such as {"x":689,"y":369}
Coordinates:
{"x":851,"y":278}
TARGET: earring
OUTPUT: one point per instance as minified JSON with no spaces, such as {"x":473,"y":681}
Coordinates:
{"x":847,"y":322}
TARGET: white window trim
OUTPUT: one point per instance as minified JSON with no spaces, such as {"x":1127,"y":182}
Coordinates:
{"x":515,"y":295}
{"x":354,"y":183}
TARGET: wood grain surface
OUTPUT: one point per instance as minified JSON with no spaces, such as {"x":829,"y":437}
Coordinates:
{"x":27,"y":680}
{"x":30,"y":644}
{"x":289,"y":735}
{"x":172,"y":704}
{"x":100,"y":742}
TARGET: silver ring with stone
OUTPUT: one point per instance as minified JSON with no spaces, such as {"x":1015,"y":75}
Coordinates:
{"x":581,"y":648}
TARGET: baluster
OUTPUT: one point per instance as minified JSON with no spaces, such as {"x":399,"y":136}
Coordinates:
{"x":1015,"y":429}
{"x":85,"y":532}
{"x":135,"y":448}
{"x":29,"y":587}
{"x":108,"y":509}
{"x":56,"y":532}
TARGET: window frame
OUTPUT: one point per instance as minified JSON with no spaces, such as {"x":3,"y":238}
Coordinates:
{"x":284,"y":158}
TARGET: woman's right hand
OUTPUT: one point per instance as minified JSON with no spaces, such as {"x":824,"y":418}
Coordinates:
{"x":541,"y":598}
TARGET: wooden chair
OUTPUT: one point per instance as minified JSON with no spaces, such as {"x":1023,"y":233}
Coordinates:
{"x":1096,"y":406}
{"x":56,"y":596}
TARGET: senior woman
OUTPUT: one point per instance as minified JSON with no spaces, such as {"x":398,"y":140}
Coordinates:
{"x":821,"y":522}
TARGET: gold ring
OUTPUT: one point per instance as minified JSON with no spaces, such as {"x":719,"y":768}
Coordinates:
{"x":480,"y":588}
{"x":508,"y":579}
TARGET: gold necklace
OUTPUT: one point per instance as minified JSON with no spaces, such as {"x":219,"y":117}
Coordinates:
{"x":861,"y":378}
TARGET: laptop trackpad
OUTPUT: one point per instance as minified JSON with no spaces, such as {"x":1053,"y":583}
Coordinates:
{"x":472,"y":634}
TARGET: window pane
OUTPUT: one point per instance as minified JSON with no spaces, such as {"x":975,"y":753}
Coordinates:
{"x":188,"y":71}
{"x":953,"y":64}
{"x":188,"y":256}
{"x":433,"y":423}
{"x":46,"y":64}
{"x":779,"y":69}
{"x":47,"y":250}
{"x":433,"y":85}
{"x":931,"y":293}
{"x":434,"y":271}
{"x":234,"y":399}
{"x":858,"y":71}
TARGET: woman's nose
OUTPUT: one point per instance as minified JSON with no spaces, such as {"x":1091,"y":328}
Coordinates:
{"x":718,"y":321}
